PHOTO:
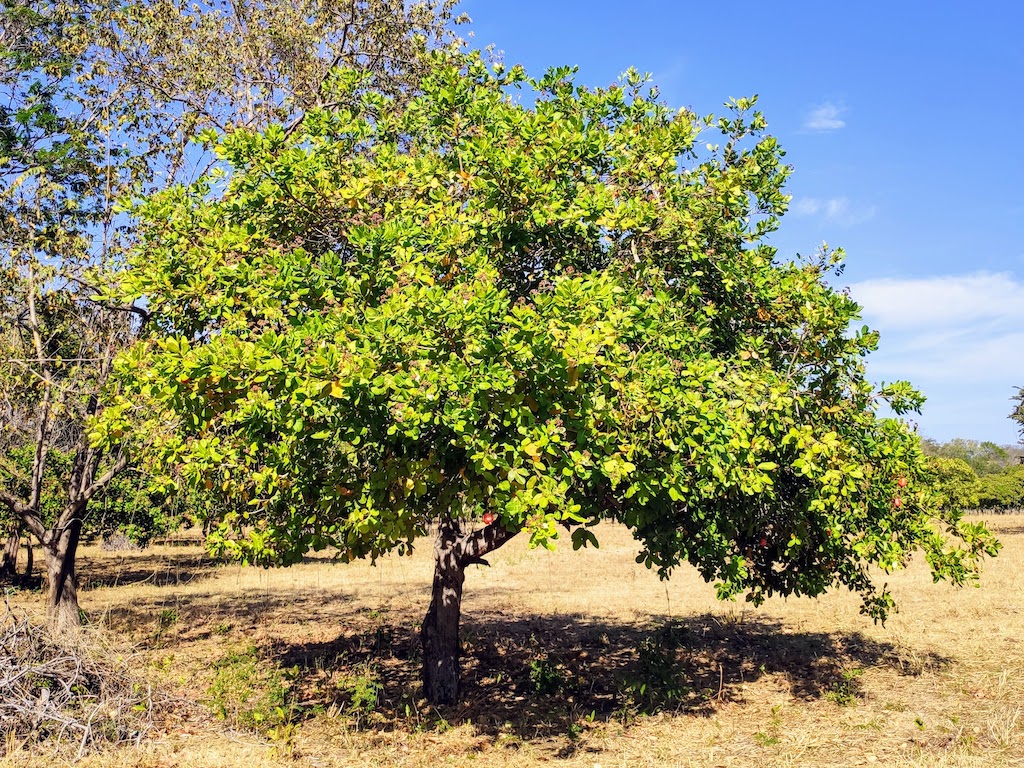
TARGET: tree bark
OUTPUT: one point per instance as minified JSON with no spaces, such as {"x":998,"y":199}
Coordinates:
{"x":29,"y":564}
{"x":439,"y":635}
{"x":9,"y":566}
{"x":440,"y":632}
{"x":59,"y":550}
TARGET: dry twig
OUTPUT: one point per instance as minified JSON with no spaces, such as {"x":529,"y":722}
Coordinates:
{"x":61,"y":691}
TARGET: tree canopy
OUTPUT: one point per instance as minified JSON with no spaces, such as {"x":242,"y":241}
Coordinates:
{"x":521,"y":305}
{"x":971,"y":474}
{"x":1002,"y":491}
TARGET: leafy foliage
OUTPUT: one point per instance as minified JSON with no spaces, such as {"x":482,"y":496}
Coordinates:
{"x":984,"y":457}
{"x":532,"y":303}
{"x":954,"y":483}
{"x":1002,"y":491}
{"x":996,"y":480}
{"x":249,"y":692}
{"x":1018,"y":410}
{"x":100,"y":100}
{"x":129,"y":504}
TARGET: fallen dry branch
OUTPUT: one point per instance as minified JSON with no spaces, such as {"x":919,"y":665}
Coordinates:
{"x":65,"y":692}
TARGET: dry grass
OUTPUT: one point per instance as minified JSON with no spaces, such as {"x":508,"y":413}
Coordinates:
{"x":579,"y":659}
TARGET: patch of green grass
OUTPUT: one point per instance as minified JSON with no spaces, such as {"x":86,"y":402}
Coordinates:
{"x":659,"y":680}
{"x":249,"y":692}
{"x":846,"y":691}
{"x":545,"y":676}
{"x":363,"y":688}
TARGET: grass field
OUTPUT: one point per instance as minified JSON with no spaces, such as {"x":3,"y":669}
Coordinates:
{"x":578,"y":659}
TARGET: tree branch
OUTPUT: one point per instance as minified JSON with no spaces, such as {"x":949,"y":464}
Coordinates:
{"x":104,"y":480}
{"x":22,"y":510}
{"x":13,"y":502}
{"x":43,"y":427}
{"x":473,"y":546}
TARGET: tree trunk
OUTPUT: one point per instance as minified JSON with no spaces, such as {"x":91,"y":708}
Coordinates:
{"x":29,"y":552}
{"x":59,"y":550}
{"x":453,"y":551}
{"x":9,"y":566}
{"x":440,"y":632}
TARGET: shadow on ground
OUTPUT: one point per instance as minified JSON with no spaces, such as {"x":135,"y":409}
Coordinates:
{"x":546,"y":677}
{"x":1008,"y":529}
{"x":179,"y":618}
{"x":524,"y":678}
{"x":160,"y":570}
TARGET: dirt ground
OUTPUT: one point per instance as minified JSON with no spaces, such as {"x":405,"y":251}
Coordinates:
{"x":577,"y":659}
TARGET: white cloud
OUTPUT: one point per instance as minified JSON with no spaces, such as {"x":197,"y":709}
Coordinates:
{"x":956,"y":302}
{"x":838,"y":210}
{"x":825,"y":118}
{"x":958,"y":338}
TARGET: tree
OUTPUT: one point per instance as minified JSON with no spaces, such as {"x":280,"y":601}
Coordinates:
{"x":101,"y":100}
{"x":521,"y":306}
{"x":178,"y":68}
{"x":56,"y":388}
{"x":57,"y":346}
{"x":1002,"y":491}
{"x":1018,"y":410}
{"x":249,"y":63}
{"x":954,"y":483}
{"x":984,"y":457}
{"x":131,"y":510}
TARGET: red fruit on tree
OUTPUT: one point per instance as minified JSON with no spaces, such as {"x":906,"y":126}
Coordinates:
{"x":902,"y":482}
{"x":897,"y":502}
{"x":488,"y":518}
{"x":764,"y":542}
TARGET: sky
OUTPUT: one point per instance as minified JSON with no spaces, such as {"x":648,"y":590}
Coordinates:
{"x":903,"y":121}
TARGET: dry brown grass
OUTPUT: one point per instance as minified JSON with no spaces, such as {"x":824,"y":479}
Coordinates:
{"x":633,"y":671}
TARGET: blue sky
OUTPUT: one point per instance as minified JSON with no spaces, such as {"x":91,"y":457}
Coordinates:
{"x":905,"y":124}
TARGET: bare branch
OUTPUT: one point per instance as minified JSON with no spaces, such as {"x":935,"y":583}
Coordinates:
{"x":104,"y":480}
{"x":45,"y":410}
{"x":473,"y":546}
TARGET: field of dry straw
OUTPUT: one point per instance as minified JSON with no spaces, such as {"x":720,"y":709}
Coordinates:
{"x":571,"y":659}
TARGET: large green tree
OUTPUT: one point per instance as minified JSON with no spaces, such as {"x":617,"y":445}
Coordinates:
{"x":516,"y":306}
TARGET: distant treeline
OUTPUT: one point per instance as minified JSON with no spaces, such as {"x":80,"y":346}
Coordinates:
{"x":970,"y":474}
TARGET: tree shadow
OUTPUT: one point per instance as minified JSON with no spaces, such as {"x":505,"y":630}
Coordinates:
{"x":198,"y":615}
{"x":21,"y":581}
{"x":160,"y":570}
{"x":181,"y":618}
{"x":1008,"y":529}
{"x":547,"y":677}
{"x":126,"y":569}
